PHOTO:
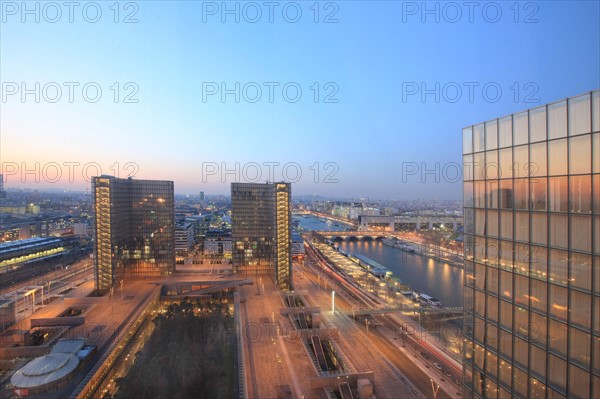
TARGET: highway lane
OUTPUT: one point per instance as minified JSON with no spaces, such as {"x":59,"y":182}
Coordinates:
{"x":322,"y":267}
{"x":415,"y":340}
{"x":406,"y":366}
{"x":356,"y":350}
{"x":403,"y":362}
{"x":433,"y":344}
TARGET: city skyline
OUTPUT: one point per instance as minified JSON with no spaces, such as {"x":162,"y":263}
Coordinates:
{"x":522,"y":263}
{"x":392,"y":96}
{"x":403,"y":107}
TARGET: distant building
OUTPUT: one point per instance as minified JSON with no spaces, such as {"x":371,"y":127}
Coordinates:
{"x":261,"y":222}
{"x":26,"y":226}
{"x":18,"y":209}
{"x":2,"y":191}
{"x":200,"y":223}
{"x":218,"y":242}
{"x":29,"y":251}
{"x":134,"y":229}
{"x":346,"y":209}
{"x":184,"y":238}
{"x":81,"y":229}
{"x":21,"y":209}
{"x":409,"y":222}
{"x":34,"y":209}
{"x":297,"y":245}
{"x":531,"y":242}
{"x":341,"y":210}
{"x":360,"y":209}
{"x":24,"y":232}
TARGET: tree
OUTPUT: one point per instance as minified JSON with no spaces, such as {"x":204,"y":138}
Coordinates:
{"x":182,"y":360}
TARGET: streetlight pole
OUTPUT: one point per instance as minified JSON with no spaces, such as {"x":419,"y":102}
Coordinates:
{"x":367,"y":326}
{"x":434,"y":389}
{"x":332,"y":301}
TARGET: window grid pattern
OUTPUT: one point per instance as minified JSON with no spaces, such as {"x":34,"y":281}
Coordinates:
{"x":532,"y":246}
{"x":134,"y":229}
{"x":261,"y":230}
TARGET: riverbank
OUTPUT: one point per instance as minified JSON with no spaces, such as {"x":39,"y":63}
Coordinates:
{"x":441,"y":278}
{"x":434,"y":277}
{"x":347,"y":223}
{"x":429,"y":250}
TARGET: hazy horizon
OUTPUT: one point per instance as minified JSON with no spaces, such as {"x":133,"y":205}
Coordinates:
{"x":343,"y":99}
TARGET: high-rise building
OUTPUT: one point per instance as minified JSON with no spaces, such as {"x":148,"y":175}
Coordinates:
{"x":532,"y":246}
{"x":2,"y":192}
{"x":261,"y":219}
{"x":218,"y":242}
{"x":134,"y":229}
{"x":297,"y":245}
{"x":184,"y":238}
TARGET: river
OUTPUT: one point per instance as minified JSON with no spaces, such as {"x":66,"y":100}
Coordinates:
{"x":438,"y":279}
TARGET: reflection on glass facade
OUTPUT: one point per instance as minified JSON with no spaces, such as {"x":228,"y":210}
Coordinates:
{"x":532,"y":253}
{"x":134,"y":234}
{"x":261,"y":229}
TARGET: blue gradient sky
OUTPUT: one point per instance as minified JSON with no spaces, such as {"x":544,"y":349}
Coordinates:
{"x":374,"y":49}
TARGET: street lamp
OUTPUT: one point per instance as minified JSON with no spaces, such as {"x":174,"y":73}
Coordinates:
{"x":434,"y":389}
{"x":332,"y":301}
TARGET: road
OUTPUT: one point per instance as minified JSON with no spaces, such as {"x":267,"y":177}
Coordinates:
{"x":406,"y":365}
{"x":401,"y":360}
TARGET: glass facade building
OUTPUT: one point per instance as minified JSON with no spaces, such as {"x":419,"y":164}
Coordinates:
{"x":134,"y":229}
{"x":532,"y":253}
{"x":261,"y":229}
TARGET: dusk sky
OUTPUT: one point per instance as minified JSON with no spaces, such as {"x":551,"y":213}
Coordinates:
{"x":361,"y":68}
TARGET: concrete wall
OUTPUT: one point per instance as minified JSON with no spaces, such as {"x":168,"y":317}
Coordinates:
{"x":58,"y":321}
{"x":352,"y":379}
{"x":23,"y":351}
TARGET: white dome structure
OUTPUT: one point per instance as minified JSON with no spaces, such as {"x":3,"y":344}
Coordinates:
{"x":49,"y":371}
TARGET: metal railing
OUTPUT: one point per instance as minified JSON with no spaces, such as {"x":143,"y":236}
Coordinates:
{"x":241,"y":349}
